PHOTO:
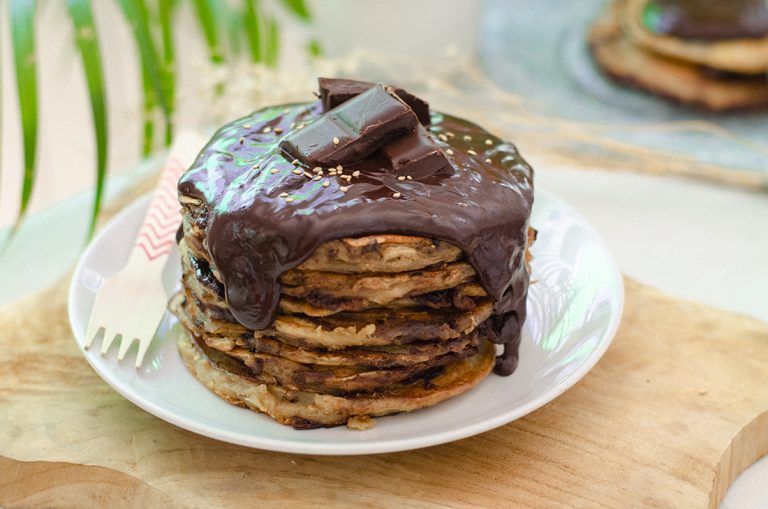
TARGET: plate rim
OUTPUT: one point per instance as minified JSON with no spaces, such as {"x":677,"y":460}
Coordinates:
{"x":348,"y":448}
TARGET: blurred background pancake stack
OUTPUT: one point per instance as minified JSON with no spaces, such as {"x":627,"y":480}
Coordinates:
{"x":366,"y":326}
{"x":711,"y":54}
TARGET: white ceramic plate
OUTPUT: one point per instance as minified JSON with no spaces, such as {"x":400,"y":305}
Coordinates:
{"x":573,"y":312}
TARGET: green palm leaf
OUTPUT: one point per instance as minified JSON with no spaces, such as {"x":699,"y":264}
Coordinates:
{"x":272,"y":42}
{"x":206,"y":14}
{"x":88,"y":45}
{"x":23,"y":39}
{"x":253,"y":30}
{"x":169,"y":60}
{"x":298,"y":8}
{"x":153,"y":79}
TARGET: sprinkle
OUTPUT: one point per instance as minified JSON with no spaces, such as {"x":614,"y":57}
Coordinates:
{"x":467,"y":137}
{"x":396,"y":195}
{"x":356,"y":173}
{"x":318,"y":170}
{"x":246,"y":126}
{"x":278,"y":130}
{"x":449,"y":134}
{"x":409,"y":177}
{"x":471,"y":152}
{"x":266,"y":130}
{"x":335,"y":140}
{"x":283,"y":195}
{"x":289,"y":199}
{"x":301,"y":126}
{"x":461,"y":204}
{"x":255,"y":167}
{"x":307,"y":174}
{"x":401,"y":178}
{"x":242,"y":140}
{"x":317,"y":177}
{"x":449,"y":152}
{"x":343,"y":189}
{"x":339,"y":168}
{"x":273,"y":171}
{"x":346,"y":177}
{"x":489,"y":141}
{"x":442,"y":137}
{"x":293,"y":124}
{"x":297,"y":171}
{"x":326,"y":184}
{"x":488,"y":160}
{"x":286,"y":111}
{"x":332,"y":172}
{"x":295,"y":162}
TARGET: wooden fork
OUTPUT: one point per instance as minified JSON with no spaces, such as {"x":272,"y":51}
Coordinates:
{"x":132,"y":303}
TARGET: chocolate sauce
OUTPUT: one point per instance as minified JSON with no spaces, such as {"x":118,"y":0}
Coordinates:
{"x":266,"y":215}
{"x":708,"y":19}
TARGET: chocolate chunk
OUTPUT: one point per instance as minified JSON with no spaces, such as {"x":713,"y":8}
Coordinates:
{"x":352,"y":131}
{"x":334,"y":92}
{"x":416,"y":155}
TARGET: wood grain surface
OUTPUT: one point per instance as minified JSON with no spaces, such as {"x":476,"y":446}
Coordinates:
{"x":675,"y":410}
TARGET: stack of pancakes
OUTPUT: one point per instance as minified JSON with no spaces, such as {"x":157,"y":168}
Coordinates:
{"x":366,"y":326}
{"x":720,"y":67}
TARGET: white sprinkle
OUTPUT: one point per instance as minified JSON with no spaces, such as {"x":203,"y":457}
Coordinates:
{"x":449,"y":134}
{"x":396,"y":195}
{"x":489,"y":141}
{"x":255,"y":167}
{"x":449,"y":152}
{"x":467,"y":137}
{"x":242,"y":140}
{"x":246,"y":126}
{"x":462,"y":205}
{"x":488,"y":161}
{"x":356,"y":173}
{"x":283,"y":195}
{"x":297,"y":171}
{"x":295,"y":162}
{"x":346,"y":177}
{"x":339,"y":168}
{"x":335,"y":140}
{"x":293,"y":124}
{"x":326,"y":184}
{"x":471,"y":152}
{"x":318,"y":170}
{"x":307,"y":174}
{"x":273,"y":171}
{"x":442,"y":137}
{"x":266,"y":130}
{"x":289,"y":199}
{"x":301,"y":126}
{"x":286,"y":111}
{"x":401,"y":177}
{"x":317,"y":177}
{"x":278,"y":130}
{"x":409,"y":177}
{"x":343,"y":189}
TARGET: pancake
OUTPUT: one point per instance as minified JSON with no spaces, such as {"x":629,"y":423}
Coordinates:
{"x":230,"y":379}
{"x":375,"y":327}
{"x":676,"y":80}
{"x":338,"y":380}
{"x":744,"y":55}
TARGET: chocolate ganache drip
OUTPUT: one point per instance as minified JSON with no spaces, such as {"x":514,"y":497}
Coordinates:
{"x":278,"y":183}
{"x":708,"y":19}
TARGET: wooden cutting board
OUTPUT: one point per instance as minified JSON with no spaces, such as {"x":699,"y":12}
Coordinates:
{"x":674,"y":411}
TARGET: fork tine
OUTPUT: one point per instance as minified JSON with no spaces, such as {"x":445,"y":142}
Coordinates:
{"x":91,"y":334}
{"x":143,"y":346}
{"x":109,"y":338}
{"x":125,"y":344}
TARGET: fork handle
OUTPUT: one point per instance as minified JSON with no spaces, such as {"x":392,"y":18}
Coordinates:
{"x":158,"y":230}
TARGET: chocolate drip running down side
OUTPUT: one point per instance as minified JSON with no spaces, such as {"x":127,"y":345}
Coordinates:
{"x":708,"y":19}
{"x":267,"y":215}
